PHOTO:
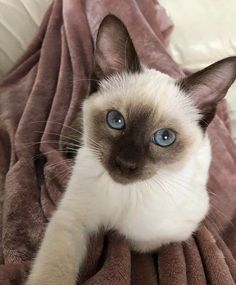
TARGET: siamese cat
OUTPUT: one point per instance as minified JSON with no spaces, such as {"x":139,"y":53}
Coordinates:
{"x":143,"y":165}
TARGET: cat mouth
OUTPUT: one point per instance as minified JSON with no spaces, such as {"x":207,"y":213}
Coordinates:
{"x":126,"y":174}
{"x":124,"y":178}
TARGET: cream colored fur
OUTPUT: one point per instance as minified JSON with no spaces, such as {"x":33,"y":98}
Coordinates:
{"x":166,"y":208}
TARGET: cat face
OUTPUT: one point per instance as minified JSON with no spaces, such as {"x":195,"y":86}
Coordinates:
{"x":141,"y":127}
{"x":140,"y":120}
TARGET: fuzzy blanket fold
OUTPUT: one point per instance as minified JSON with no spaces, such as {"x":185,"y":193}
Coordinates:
{"x":40,"y":97}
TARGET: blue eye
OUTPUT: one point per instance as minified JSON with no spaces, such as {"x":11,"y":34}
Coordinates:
{"x":115,"y":120}
{"x":164,"y":137}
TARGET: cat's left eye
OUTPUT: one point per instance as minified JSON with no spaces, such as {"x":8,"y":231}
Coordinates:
{"x":164,"y":137}
{"x":115,"y":120}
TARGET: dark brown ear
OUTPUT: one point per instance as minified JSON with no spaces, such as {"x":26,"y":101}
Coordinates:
{"x":114,"y":51}
{"x":208,"y":86}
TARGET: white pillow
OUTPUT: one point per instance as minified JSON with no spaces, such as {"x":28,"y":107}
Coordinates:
{"x":19,"y":22}
{"x":204,"y":32}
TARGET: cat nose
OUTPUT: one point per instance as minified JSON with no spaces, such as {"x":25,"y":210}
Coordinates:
{"x":125,"y":165}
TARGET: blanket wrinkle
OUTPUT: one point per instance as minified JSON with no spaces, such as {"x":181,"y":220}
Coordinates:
{"x":39,"y":101}
{"x":194,"y":267}
{"x":213,"y":259}
{"x":144,"y":269}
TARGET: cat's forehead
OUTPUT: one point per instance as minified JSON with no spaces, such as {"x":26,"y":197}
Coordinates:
{"x":150,"y":95}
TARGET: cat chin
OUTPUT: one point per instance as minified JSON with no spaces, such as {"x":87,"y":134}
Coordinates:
{"x":126,"y":179}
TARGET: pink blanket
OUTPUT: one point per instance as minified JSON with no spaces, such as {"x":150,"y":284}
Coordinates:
{"x":43,"y":92}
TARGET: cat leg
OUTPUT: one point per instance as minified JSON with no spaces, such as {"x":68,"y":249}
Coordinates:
{"x":62,"y":252}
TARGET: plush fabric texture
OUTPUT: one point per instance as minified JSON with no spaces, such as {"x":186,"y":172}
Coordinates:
{"x":43,"y":94}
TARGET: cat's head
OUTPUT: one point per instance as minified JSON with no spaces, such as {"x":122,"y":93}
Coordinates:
{"x":140,"y":120}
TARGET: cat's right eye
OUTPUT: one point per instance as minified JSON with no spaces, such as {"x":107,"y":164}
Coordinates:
{"x":164,"y":137}
{"x":115,"y":120}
